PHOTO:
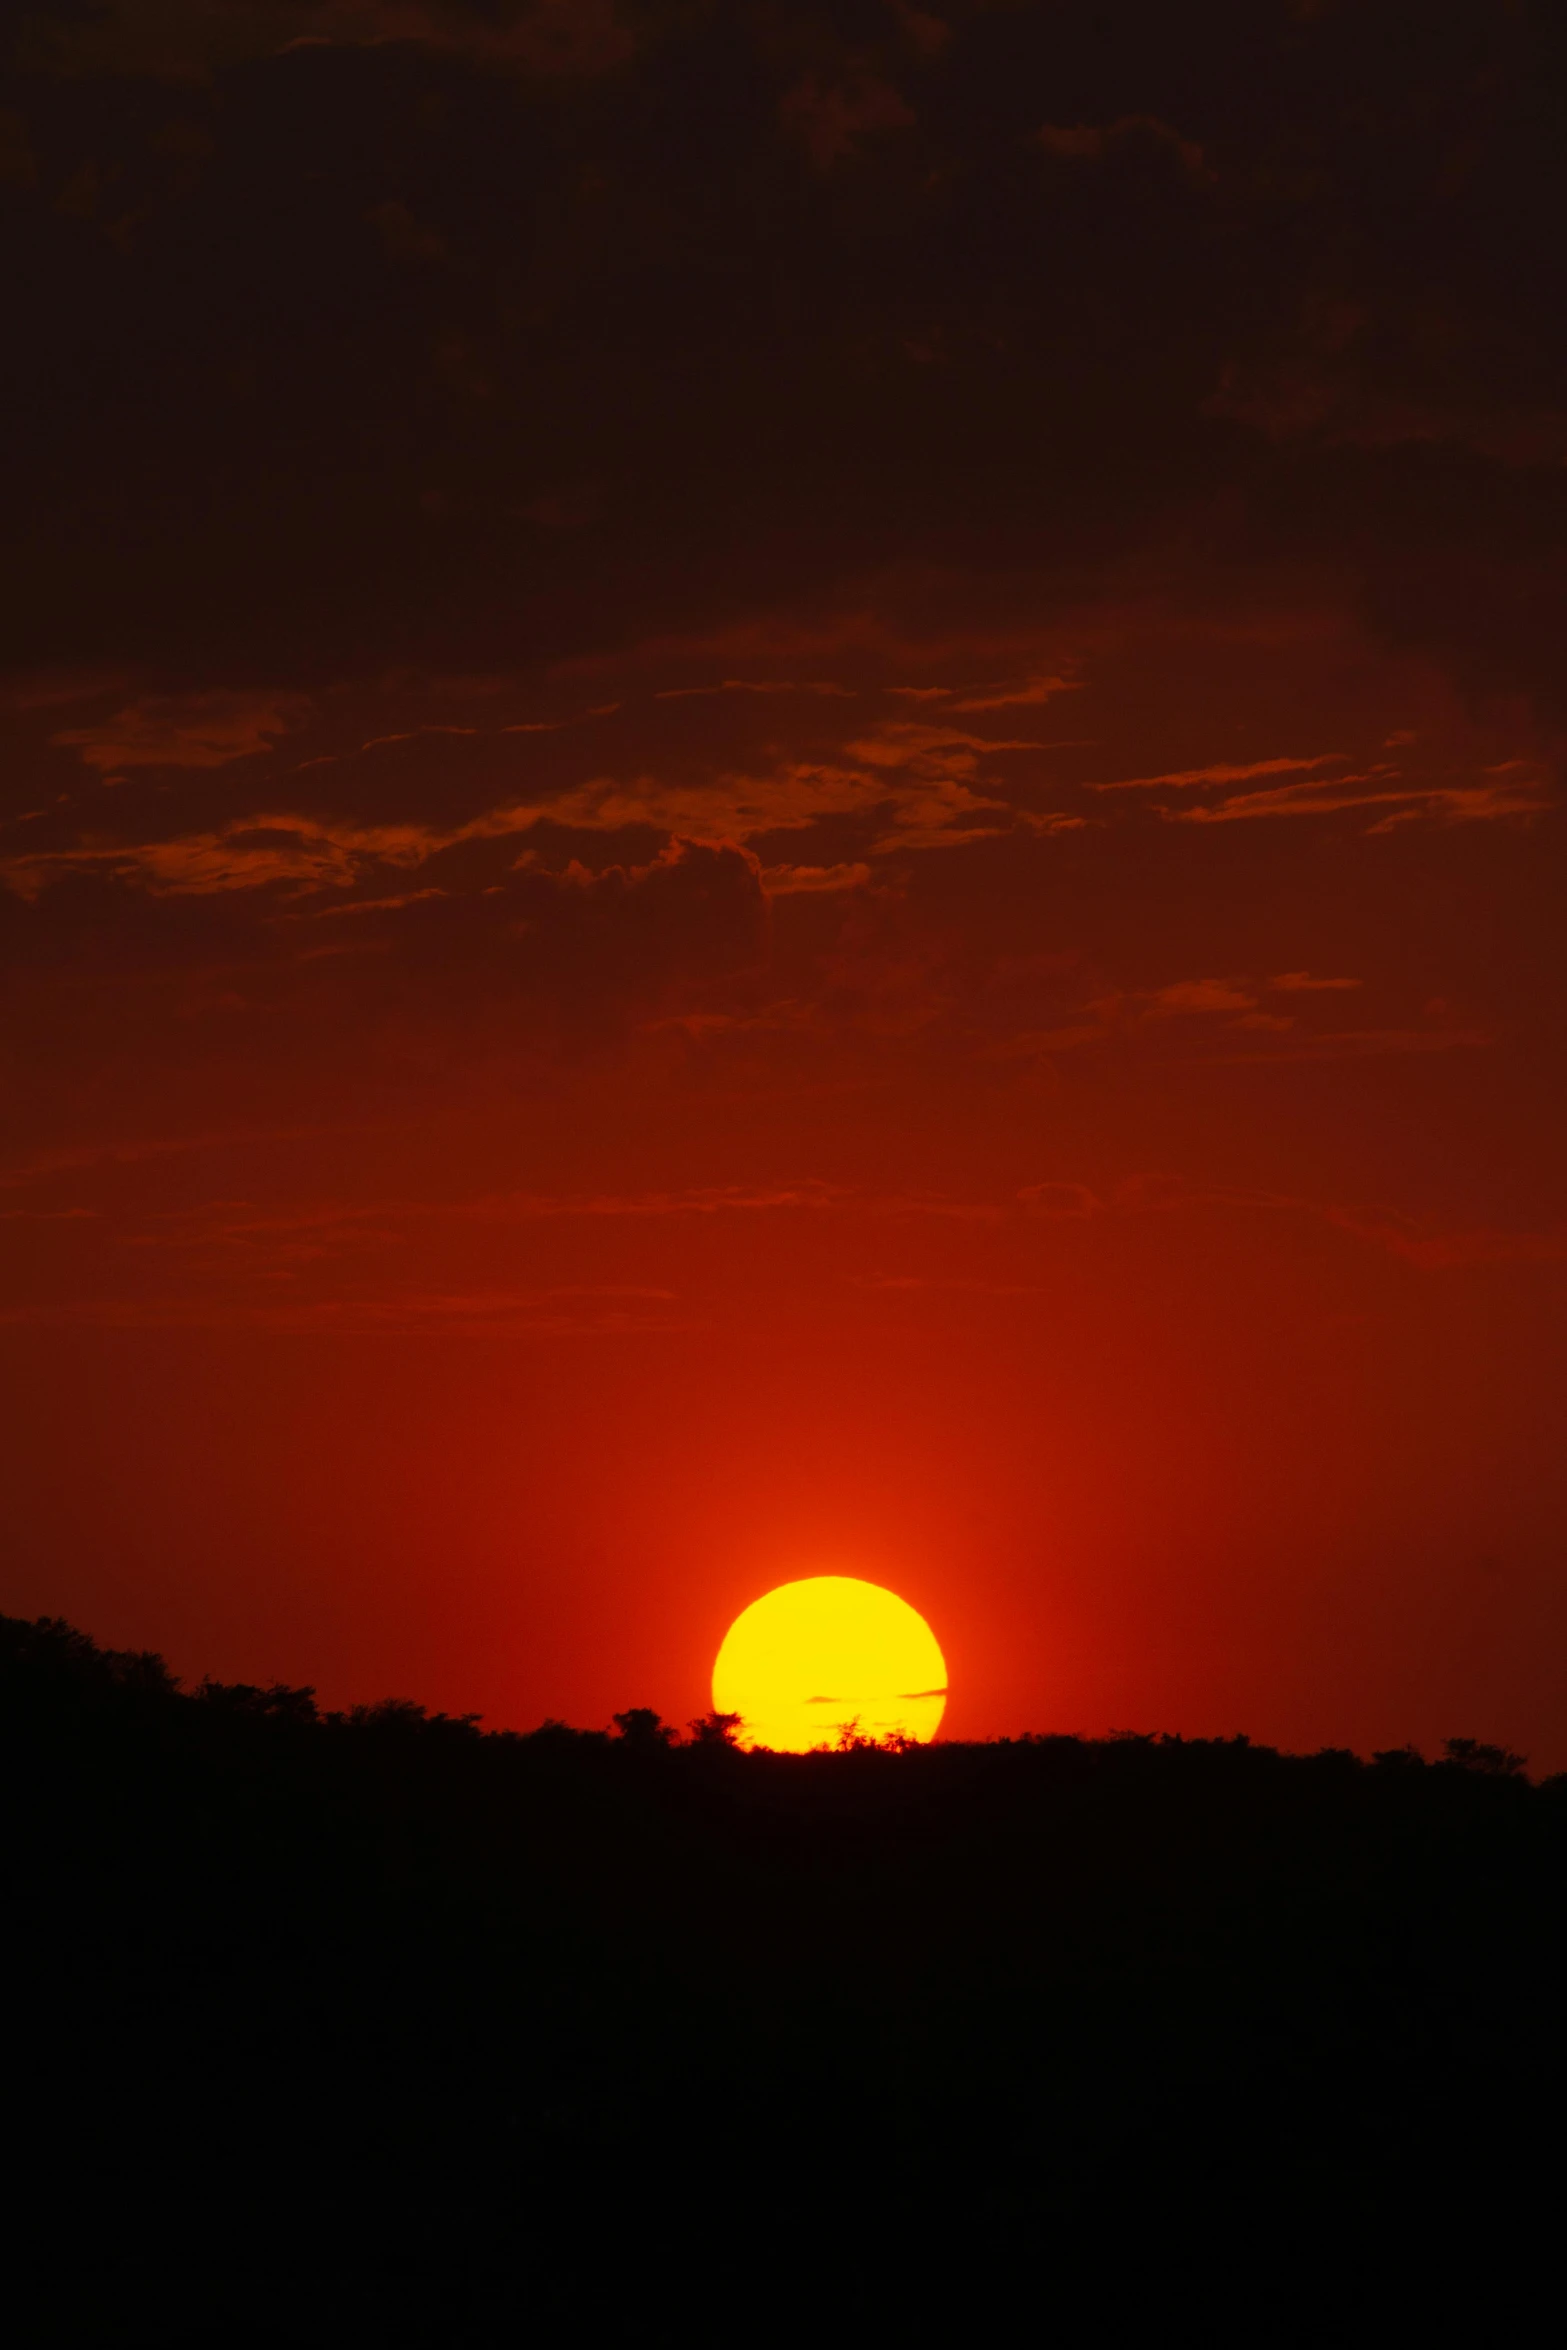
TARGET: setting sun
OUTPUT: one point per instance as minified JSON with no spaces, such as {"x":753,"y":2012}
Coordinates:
{"x":813,"y":1660}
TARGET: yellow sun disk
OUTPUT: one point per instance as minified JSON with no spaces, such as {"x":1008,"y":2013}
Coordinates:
{"x":813,"y":1659}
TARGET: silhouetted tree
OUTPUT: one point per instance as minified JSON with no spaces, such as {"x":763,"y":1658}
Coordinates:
{"x":277,"y":1702}
{"x":401,"y":1717}
{"x":49,"y":1650}
{"x":716,"y":1729}
{"x":1471,"y":1754}
{"x":641,"y":1727}
{"x":562,"y":1736}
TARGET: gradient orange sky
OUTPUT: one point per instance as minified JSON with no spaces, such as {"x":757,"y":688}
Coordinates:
{"x":781,"y":797}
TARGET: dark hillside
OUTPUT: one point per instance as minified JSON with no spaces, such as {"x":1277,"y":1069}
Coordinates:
{"x":375,"y":2027}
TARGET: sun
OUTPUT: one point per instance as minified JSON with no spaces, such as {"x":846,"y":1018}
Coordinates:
{"x":813,"y":1660}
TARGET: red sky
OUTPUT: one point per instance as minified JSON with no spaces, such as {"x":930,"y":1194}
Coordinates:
{"x":782,"y":796}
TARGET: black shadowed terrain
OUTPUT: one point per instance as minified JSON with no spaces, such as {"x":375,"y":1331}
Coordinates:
{"x":371,"y":2026}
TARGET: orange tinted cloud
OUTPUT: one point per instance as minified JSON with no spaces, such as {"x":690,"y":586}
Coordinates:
{"x":185,"y":730}
{"x":1518,"y":794}
{"x":1032,"y":692}
{"x":782,"y":881}
{"x":1190,"y":778}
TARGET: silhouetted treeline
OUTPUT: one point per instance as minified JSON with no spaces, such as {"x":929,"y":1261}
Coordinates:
{"x":372,"y":2026}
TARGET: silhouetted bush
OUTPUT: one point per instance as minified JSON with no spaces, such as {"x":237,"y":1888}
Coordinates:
{"x":645,"y":1731}
{"x":1468,"y":1754}
{"x":715,"y":1729}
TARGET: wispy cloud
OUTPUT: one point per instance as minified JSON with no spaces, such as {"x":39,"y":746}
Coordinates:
{"x":185,"y":730}
{"x":1193,"y":995}
{"x":1305,"y":983}
{"x":782,"y":881}
{"x":257,"y":854}
{"x":1416,"y":1241}
{"x":393,"y":905}
{"x":752,"y":685}
{"x":78,"y":1158}
{"x":919,"y":782}
{"x":1030,"y":693}
{"x":290,"y":1239}
{"x":1436,"y":1250}
{"x":1230,"y":1009}
{"x":1196,"y":778}
{"x":1510,"y":792}
{"x":385,"y":742}
{"x":438,"y":728}
{"x":1369,"y":1044}
{"x":1514,"y":787}
{"x":473,"y":1313}
{"x":1071,"y":1201}
{"x":49,"y":1215}
{"x":895,"y":1282}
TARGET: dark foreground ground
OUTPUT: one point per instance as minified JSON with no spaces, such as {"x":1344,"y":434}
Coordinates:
{"x":374,"y":2028}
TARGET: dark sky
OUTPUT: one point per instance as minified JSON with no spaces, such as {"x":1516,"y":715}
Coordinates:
{"x":781,"y":794}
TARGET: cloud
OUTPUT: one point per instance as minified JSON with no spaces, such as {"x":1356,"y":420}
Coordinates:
{"x":1092,"y":142}
{"x":79,"y":1158}
{"x":747,"y":685}
{"x":1369,"y":1044}
{"x":308,"y":854}
{"x":1197,"y":995}
{"x":382,"y":742}
{"x":917,"y":743}
{"x":48,"y":1215}
{"x":896,"y":1283}
{"x":1141,"y":1007}
{"x":243,"y":856}
{"x":240,"y":1238}
{"x":185,"y":730}
{"x":455,"y":1313}
{"x":832,"y":120}
{"x":1049,"y":820}
{"x":1443,"y":1251}
{"x":783,"y":1016}
{"x":934,"y":804}
{"x":922,"y":777}
{"x":546,"y":37}
{"x":1513,"y":787}
{"x":1516,"y":793}
{"x":1428,"y":1246}
{"x":1192,"y":778}
{"x":393,"y":905}
{"x":917,"y":784}
{"x":724,"y":1199}
{"x":798,"y":447}
{"x":1234,"y":1004}
{"x":1072,"y":1201}
{"x":1032,"y":692}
